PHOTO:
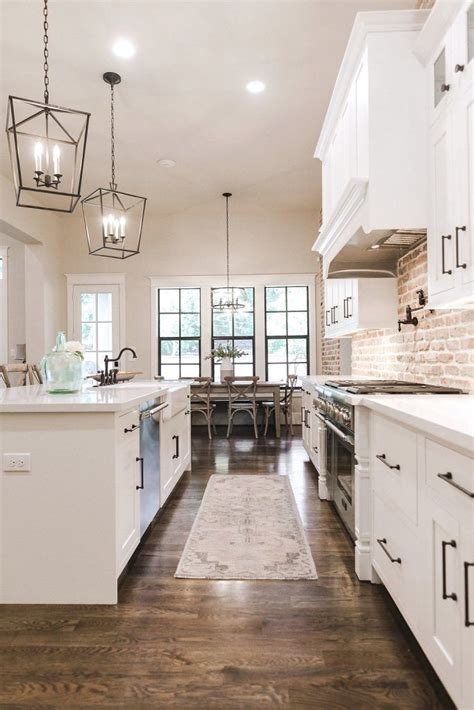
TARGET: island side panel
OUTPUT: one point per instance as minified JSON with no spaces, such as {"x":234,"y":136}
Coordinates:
{"x":57,"y":534}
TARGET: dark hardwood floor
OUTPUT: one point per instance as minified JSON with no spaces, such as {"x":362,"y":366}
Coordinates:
{"x":330,"y":643}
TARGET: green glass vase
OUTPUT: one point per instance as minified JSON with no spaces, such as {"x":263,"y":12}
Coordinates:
{"x":62,"y":369}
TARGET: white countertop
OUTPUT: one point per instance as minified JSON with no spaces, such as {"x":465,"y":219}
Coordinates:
{"x":448,"y":417}
{"x":113,"y":398}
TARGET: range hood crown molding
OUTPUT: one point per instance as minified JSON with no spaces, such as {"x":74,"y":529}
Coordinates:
{"x":334,"y":233}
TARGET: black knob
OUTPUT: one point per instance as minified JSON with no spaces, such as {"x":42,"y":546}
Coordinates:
{"x":459,"y":67}
{"x":444,"y":87}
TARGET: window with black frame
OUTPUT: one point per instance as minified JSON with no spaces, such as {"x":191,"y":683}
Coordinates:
{"x":286,"y":332}
{"x":238,"y":330}
{"x":179,"y":332}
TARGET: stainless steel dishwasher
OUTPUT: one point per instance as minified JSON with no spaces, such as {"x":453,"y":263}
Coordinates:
{"x":150,"y":419}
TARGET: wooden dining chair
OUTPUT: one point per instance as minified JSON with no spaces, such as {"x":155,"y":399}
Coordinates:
{"x":242,"y":397}
{"x":286,"y":405}
{"x":201,"y":401}
{"x":20,"y":375}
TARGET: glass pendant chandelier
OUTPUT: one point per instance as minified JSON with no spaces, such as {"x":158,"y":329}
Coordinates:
{"x":47,"y":146}
{"x":113,"y":219}
{"x":229,"y":299}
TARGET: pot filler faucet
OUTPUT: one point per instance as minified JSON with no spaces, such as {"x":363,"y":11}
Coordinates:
{"x":110,"y":377}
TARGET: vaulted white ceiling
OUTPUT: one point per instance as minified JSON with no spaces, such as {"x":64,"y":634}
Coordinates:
{"x":183,"y":94}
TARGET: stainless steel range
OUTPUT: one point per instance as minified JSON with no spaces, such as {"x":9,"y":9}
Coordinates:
{"x":334,"y":405}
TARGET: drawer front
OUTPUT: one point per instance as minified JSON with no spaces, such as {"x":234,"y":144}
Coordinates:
{"x":394,"y":553}
{"x":129,"y":423}
{"x":449,"y":473}
{"x":394,"y":463}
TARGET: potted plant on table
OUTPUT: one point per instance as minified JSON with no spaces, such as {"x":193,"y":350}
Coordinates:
{"x":225,"y":354}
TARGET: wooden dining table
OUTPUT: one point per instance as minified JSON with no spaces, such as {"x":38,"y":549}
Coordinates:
{"x":270,"y":389}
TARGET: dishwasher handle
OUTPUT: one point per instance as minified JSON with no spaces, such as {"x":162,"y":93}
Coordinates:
{"x":154,"y":410}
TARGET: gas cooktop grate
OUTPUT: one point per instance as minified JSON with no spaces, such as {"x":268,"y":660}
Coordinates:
{"x":389,"y":387}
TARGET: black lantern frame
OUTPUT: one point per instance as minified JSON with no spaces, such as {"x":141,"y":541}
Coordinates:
{"x":95,"y":209}
{"x":113,"y":220}
{"x":35,"y":128}
{"x":29,"y":121}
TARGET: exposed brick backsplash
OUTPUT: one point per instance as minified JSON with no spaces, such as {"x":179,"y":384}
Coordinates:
{"x":439,"y":351}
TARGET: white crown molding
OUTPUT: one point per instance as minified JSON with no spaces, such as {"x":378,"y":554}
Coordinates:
{"x":364,"y":24}
{"x":441,"y":16}
{"x":334,"y":233}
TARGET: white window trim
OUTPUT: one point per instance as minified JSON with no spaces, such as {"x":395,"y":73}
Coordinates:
{"x":4,"y":341}
{"x":256,"y":281}
{"x":97,"y":280}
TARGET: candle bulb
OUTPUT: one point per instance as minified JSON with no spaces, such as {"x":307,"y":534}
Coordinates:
{"x":122,"y":227}
{"x":116,"y":229}
{"x":111,"y":226}
{"x":56,"y":156}
{"x":38,"y":156}
{"x":104,"y":224}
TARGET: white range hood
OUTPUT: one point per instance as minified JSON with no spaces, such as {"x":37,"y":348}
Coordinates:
{"x":373,"y":146}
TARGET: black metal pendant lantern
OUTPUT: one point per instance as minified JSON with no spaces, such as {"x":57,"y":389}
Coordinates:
{"x":231,"y":298}
{"x":47,"y":147}
{"x":113,"y":219}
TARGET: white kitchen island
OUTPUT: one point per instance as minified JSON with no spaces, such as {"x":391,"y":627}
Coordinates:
{"x":70,"y":512}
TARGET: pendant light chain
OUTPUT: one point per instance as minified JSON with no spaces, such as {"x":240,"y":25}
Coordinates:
{"x":227,"y":229}
{"x":113,"y":184}
{"x":46,"y":52}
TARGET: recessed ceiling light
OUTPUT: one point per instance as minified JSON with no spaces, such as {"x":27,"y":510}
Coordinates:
{"x":255,"y":87}
{"x":375,"y":246}
{"x":123,"y":48}
{"x":166,"y":163}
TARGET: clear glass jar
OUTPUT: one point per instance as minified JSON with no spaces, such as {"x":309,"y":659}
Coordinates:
{"x":62,"y":369}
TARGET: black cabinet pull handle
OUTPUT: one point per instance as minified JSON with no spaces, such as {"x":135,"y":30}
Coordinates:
{"x":382,"y":542}
{"x":444,"y":545}
{"x":176,"y":453}
{"x":345,"y":307}
{"x":142,"y":474}
{"x":448,"y":477}
{"x":443,"y":265}
{"x":383,"y":459}
{"x":458,"y":265}
{"x":349,"y":313}
{"x":467,"y":621}
{"x":344,"y":504}
{"x":132,"y":428}
{"x":458,"y":68}
{"x":327,"y":314}
{"x":445,"y":87}
{"x":335,"y":309}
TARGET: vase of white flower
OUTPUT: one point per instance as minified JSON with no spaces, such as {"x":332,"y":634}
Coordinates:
{"x":225,"y":354}
{"x":62,"y":367}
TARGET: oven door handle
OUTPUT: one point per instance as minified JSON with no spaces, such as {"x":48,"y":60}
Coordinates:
{"x":340,"y":434}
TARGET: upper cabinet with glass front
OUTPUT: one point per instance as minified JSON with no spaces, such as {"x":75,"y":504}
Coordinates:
{"x":445,"y":48}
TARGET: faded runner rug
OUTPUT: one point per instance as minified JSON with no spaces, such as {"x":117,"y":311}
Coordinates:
{"x":247,"y":527}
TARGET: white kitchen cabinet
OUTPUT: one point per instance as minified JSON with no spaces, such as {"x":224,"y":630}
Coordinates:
{"x":127,"y":493}
{"x":306,"y":407}
{"x":442,"y":579}
{"x":372,"y":148}
{"x":353,"y":305}
{"x":422,"y":545}
{"x":175,"y":452}
{"x":445,"y":48}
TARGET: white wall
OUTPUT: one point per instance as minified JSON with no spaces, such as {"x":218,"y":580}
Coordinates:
{"x":194,"y":243}
{"x":16,"y":293}
{"x":42,"y":234}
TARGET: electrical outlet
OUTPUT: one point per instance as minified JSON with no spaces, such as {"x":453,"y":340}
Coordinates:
{"x":17,"y":462}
